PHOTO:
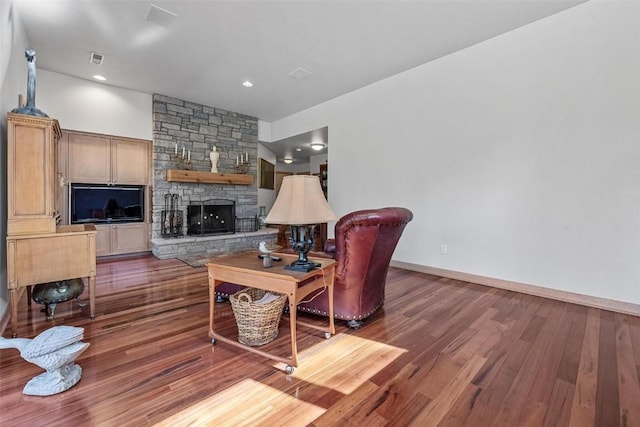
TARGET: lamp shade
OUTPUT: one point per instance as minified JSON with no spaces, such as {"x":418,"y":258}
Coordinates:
{"x":300,"y":202}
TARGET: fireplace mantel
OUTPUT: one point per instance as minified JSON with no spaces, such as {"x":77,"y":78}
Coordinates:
{"x":201,"y":177}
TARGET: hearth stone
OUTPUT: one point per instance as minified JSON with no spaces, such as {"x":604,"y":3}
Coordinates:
{"x":214,"y":245}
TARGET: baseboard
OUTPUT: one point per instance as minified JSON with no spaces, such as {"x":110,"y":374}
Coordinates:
{"x":575,"y":298}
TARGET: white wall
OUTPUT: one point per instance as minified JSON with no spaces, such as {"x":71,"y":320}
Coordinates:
{"x":520,"y":153}
{"x":316,"y":161}
{"x":88,"y":106}
{"x":294,"y":168}
{"x":13,"y":80}
{"x":264,"y":131}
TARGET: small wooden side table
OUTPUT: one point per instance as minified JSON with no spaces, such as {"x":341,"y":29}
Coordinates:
{"x":246,"y":269}
{"x":68,"y":253}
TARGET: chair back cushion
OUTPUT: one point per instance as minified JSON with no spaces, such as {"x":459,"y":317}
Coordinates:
{"x":364,"y":244}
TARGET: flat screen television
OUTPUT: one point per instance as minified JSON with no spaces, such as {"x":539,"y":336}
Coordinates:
{"x":90,"y":203}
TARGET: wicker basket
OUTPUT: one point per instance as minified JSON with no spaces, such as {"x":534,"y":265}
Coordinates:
{"x":257,"y":323}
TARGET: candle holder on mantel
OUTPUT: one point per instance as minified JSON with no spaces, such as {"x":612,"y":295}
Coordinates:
{"x":181,"y":162}
{"x":242,"y":163}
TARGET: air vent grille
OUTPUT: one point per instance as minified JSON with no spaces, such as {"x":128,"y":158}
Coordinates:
{"x":96,"y":58}
{"x":160,"y":16}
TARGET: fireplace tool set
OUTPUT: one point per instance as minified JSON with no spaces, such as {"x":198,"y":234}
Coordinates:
{"x":171,"y":217}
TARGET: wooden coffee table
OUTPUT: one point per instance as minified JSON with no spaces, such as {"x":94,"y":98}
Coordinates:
{"x":246,"y":269}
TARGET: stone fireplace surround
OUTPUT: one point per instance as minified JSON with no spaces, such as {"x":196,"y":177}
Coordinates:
{"x":198,"y":128}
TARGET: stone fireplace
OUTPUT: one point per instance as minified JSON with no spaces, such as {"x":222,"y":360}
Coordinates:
{"x":181,"y":126}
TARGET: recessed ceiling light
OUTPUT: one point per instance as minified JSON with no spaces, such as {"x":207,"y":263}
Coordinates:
{"x":317,"y":146}
{"x":298,"y":149}
{"x":287,"y":160}
{"x":247,"y":83}
{"x":99,"y":77}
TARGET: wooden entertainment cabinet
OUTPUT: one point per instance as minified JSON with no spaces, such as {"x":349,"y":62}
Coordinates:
{"x":90,"y":158}
{"x":103,"y":159}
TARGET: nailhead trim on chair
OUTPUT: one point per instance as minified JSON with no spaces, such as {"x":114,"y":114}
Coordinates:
{"x":324,"y":313}
{"x":340,"y":316}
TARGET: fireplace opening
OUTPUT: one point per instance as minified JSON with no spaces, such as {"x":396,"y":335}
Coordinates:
{"x":216,"y":216}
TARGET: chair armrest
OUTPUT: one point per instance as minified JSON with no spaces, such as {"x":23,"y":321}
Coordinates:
{"x":320,"y":254}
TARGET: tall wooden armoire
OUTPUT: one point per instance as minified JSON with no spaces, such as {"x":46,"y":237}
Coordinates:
{"x":31,"y":174}
{"x":38,"y":250}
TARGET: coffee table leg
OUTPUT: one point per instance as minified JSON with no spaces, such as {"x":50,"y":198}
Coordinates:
{"x":292,"y":322}
{"x":212,"y":303}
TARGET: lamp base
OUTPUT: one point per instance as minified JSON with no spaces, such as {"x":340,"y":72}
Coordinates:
{"x":301,"y":242}
{"x":302,"y":267}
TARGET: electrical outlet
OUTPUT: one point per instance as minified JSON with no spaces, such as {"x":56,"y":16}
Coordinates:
{"x":443,"y":249}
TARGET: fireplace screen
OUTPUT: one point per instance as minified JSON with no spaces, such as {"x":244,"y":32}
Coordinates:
{"x":211,"y":217}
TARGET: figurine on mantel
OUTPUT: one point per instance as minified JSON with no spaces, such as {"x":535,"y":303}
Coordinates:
{"x":30,"y":109}
{"x":54,"y":350}
{"x":214,"y":156}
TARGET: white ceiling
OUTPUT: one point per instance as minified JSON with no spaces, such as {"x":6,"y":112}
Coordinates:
{"x":210,"y":47}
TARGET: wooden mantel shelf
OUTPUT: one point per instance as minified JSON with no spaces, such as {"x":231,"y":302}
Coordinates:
{"x":201,"y":177}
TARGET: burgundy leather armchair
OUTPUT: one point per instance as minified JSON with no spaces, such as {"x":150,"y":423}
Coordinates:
{"x":363,"y":245}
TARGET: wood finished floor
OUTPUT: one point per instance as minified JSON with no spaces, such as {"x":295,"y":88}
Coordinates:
{"x":440,"y":353}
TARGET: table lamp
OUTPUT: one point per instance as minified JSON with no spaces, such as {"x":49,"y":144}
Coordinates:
{"x":301,"y":205}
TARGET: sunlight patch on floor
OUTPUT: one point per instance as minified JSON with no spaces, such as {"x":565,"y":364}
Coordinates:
{"x":244,"y":404}
{"x":342,"y":363}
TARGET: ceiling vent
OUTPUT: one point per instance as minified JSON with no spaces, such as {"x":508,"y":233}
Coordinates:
{"x":160,"y":16}
{"x":96,"y":58}
{"x":299,"y":73}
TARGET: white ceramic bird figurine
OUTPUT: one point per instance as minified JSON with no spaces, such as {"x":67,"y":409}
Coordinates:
{"x":267,"y":248}
{"x":54,"y":350}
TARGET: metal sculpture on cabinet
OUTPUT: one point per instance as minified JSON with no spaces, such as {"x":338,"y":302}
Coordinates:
{"x":30,"y":109}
